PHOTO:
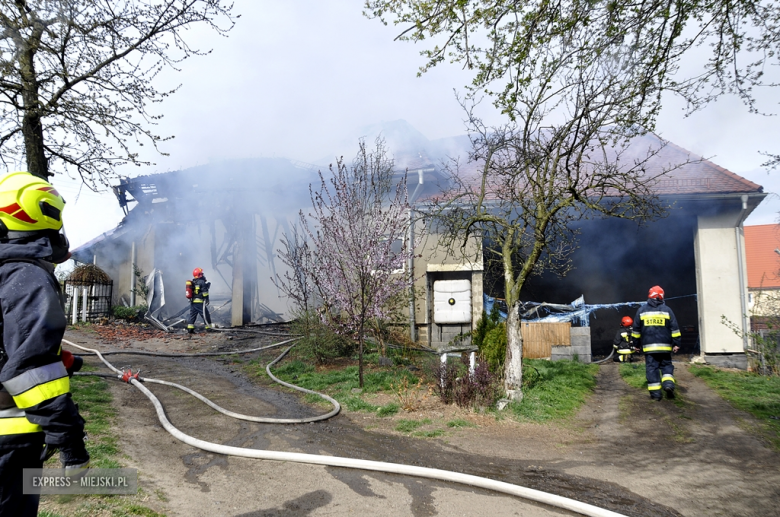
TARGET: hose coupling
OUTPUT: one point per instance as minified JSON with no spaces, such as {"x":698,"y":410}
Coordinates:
{"x":128,"y":375}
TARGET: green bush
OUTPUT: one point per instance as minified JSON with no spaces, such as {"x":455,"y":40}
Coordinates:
{"x":320,"y":341}
{"x":484,"y":325}
{"x":134,"y":313}
{"x":489,"y":336}
{"x":493,"y":347}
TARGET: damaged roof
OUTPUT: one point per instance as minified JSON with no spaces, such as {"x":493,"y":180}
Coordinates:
{"x":698,"y":176}
{"x":679,"y":171}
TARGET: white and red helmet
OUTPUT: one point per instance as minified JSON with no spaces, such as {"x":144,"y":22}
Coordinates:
{"x":656,"y":292}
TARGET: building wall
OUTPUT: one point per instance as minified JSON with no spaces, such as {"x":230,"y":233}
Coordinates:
{"x":717,"y":245}
{"x":435,"y":262}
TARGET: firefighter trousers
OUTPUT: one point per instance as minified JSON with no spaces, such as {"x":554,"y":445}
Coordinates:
{"x":659,"y":371}
{"x":13,"y":459}
{"x":196,"y":309}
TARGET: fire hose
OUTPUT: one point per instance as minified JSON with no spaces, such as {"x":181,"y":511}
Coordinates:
{"x":606,"y":358}
{"x":335,"y":461}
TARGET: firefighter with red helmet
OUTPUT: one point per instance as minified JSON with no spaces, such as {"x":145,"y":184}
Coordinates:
{"x":37,"y":414}
{"x":197,"y":291}
{"x":656,"y":327}
{"x":624,"y":342}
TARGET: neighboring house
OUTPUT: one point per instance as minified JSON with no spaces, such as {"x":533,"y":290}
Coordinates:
{"x":762,"y":249}
{"x":228,"y":218}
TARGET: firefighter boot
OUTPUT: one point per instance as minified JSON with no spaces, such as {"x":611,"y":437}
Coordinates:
{"x":669,"y":390}
{"x":667,"y":383}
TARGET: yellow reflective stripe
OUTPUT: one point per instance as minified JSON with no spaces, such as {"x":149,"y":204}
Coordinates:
{"x":623,"y":351}
{"x":655,"y":319}
{"x":657,"y":347}
{"x":35,"y":377}
{"x":676,"y":333}
{"x":190,"y":326}
{"x":636,"y":335}
{"x":197,"y":301}
{"x":654,"y":386}
{"x":18,"y":425}
{"x":655,"y":314}
{"x":667,"y":378}
{"x":45,"y":391}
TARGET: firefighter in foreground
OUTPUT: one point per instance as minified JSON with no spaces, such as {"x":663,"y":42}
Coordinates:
{"x":197,"y":291}
{"x":624,"y":342}
{"x":37,"y":414}
{"x":656,"y":326}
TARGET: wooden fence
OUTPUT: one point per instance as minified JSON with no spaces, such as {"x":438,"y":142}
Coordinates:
{"x":539,"y":338}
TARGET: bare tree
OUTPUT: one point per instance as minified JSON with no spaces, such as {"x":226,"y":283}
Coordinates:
{"x":570,"y":153}
{"x":77,"y":78}
{"x":352,"y":258}
{"x":297,"y":283}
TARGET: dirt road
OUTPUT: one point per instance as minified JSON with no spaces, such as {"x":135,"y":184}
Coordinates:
{"x":622,"y":452}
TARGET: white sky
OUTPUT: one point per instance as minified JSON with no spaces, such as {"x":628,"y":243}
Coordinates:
{"x":299,"y":78}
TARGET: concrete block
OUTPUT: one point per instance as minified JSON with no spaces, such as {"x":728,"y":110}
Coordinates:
{"x":580,"y":336}
{"x":558,"y":353}
{"x":727,"y":360}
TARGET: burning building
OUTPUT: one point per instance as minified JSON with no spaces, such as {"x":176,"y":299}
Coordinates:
{"x":229,"y":218}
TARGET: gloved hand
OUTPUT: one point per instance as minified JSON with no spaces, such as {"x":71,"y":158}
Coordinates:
{"x":73,"y":363}
{"x":74,"y":456}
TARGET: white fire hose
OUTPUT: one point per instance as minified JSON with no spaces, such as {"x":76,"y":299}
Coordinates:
{"x":334,"y":461}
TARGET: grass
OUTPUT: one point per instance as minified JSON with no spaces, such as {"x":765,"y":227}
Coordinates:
{"x":459,"y":422}
{"x":407,"y":426}
{"x":555,"y":390}
{"x":756,"y":394}
{"x":388,"y":410}
{"x":412,"y":427}
{"x":434,"y":433}
{"x":343,"y":383}
{"x":634,"y":375}
{"x":94,"y":400}
{"x":558,"y":390}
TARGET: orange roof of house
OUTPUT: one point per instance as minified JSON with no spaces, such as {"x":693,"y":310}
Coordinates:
{"x":763,"y":263}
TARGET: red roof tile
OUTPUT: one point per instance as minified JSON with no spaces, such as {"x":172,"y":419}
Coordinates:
{"x":763,"y":263}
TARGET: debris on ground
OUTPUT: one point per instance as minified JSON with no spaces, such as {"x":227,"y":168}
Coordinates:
{"x":123,"y":333}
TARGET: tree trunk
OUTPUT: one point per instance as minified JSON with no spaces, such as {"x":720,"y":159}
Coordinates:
{"x":360,"y":356}
{"x":37,"y":164}
{"x":32,"y":128}
{"x":513,"y":366}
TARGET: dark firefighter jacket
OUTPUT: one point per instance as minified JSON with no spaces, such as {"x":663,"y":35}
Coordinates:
{"x":656,"y":326}
{"x":623,"y":339}
{"x":200,"y":289}
{"x":35,"y":394}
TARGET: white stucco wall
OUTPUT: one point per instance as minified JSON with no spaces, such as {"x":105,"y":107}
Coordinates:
{"x":717,"y":281}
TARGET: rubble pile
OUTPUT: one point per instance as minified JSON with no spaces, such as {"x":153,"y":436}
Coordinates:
{"x":115,"y":333}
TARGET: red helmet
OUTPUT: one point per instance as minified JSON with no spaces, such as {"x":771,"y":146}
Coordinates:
{"x":197,"y":272}
{"x":656,"y":292}
{"x":626,"y":321}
